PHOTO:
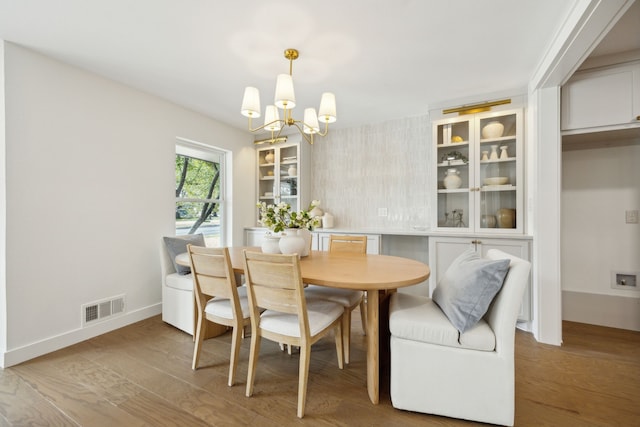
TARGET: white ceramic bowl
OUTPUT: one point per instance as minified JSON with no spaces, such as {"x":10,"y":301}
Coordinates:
{"x":492,"y":130}
{"x":497,"y":180}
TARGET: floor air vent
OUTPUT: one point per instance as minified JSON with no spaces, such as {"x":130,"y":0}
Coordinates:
{"x":100,"y":310}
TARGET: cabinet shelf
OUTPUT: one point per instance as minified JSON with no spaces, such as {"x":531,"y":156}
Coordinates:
{"x":497,"y":140}
{"x":448,"y":164}
{"x":506,"y":187}
{"x":510,"y":159}
{"x":456,"y":190}
{"x":453,"y":144}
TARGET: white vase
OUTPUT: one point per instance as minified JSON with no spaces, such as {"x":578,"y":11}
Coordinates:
{"x":292,"y":171}
{"x":291,"y":242}
{"x":269,"y":158}
{"x":494,"y":153}
{"x":270,"y":244}
{"x":306,"y":235}
{"x":327,"y":220}
{"x":452,"y":179}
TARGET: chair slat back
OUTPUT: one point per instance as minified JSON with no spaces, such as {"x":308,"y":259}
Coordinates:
{"x":346,"y":243}
{"x":274,"y":282}
{"x":212,"y":273}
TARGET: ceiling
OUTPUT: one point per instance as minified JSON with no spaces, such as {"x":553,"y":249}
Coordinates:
{"x":383,"y":59}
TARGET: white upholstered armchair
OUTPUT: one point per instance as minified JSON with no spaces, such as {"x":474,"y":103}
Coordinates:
{"x":435,"y":369}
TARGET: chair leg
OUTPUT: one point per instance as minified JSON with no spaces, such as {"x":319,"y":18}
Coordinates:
{"x":198,"y":338}
{"x":346,"y":332}
{"x":253,"y":361}
{"x":235,"y":353}
{"x":339,"y":335}
{"x":303,"y":376}
{"x":363,"y":316}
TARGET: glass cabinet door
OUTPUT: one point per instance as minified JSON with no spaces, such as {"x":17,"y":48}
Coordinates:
{"x":454,"y":173}
{"x":288,"y":166}
{"x":267,"y":175}
{"x":498,"y":177}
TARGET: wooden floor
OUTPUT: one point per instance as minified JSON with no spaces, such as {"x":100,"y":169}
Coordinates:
{"x":141,"y":375}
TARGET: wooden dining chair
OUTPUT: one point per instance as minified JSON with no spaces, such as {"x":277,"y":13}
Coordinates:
{"x":349,"y":299}
{"x":274,"y":283}
{"x":218,"y":299}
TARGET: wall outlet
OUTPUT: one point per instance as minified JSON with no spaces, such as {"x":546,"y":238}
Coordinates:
{"x":631,"y":217}
{"x":624,"y":281}
{"x":382,"y":212}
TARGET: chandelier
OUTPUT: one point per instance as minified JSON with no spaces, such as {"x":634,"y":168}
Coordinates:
{"x":285,"y":100}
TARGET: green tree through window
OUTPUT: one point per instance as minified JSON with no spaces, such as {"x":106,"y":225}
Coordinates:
{"x":198,"y":196}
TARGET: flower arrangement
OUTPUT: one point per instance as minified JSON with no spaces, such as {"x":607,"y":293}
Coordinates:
{"x":280,"y":216}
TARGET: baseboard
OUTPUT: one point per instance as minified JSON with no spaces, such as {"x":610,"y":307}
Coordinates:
{"x":30,"y":351}
{"x":603,"y":310}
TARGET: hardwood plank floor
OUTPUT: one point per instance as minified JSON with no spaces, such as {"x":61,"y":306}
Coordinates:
{"x":141,"y":375}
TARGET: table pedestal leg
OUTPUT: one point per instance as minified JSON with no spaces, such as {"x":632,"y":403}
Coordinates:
{"x":373,"y":363}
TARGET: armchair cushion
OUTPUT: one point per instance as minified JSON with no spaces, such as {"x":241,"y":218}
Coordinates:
{"x":178,"y":245}
{"x":183,"y":282}
{"x":418,"y":318}
{"x":468,"y":287}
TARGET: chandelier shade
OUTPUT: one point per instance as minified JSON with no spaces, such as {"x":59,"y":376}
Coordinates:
{"x":285,"y":95}
{"x":285,"y":100}
{"x":310,"y":121}
{"x":272,"y":119}
{"x":251,"y":102}
{"x":327,"y":111}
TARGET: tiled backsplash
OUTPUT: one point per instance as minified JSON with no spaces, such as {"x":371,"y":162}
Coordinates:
{"x":356,"y":172}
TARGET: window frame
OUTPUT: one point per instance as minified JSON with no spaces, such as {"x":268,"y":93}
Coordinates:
{"x":185,"y":147}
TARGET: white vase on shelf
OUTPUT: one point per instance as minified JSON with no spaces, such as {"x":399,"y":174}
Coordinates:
{"x":270,"y":157}
{"x":503,"y":152}
{"x":327,"y":220}
{"x":452,"y":179}
{"x":494,"y":153}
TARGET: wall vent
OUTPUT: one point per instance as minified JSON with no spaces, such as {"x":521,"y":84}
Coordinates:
{"x":100,"y":310}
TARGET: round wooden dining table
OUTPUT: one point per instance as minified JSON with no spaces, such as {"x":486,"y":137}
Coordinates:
{"x":377,"y":275}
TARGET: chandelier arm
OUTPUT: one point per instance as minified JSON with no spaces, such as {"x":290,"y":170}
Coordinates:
{"x":274,"y":138}
{"x":326,"y":130}
{"x":309,"y":140}
{"x":282,"y":122}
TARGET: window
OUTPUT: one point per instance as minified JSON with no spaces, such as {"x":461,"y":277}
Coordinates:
{"x":200,"y":184}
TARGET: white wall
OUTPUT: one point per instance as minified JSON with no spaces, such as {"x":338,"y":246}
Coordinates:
{"x":386,"y":165}
{"x":89,"y":193}
{"x":598,"y":186}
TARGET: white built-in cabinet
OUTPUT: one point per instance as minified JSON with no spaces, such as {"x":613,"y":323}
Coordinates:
{"x":606,"y":98}
{"x":283,"y":174}
{"x":478,"y":174}
{"x":444,"y":250}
